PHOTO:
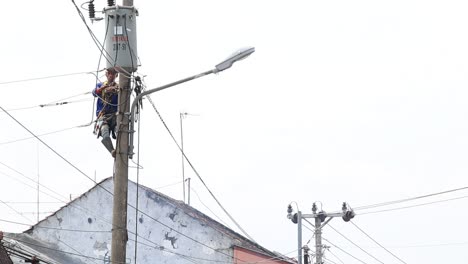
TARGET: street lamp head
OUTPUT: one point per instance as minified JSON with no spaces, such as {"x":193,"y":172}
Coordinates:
{"x":236,"y":56}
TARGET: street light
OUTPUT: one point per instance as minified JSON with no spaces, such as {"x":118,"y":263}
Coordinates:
{"x":224,"y":65}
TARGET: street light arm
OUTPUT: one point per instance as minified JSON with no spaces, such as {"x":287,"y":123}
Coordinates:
{"x":138,"y":98}
{"x":224,"y":65}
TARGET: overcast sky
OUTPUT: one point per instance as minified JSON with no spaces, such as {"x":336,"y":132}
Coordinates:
{"x":361,"y":102}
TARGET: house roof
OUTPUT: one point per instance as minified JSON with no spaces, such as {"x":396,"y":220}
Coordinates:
{"x":238,"y":239}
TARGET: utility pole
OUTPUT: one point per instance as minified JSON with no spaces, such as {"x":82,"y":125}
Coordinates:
{"x":121,"y":45}
{"x":320,"y":221}
{"x":318,"y":236}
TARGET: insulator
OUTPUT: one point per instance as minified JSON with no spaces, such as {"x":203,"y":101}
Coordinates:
{"x":92,"y":11}
{"x":110,"y":3}
{"x":294,"y":219}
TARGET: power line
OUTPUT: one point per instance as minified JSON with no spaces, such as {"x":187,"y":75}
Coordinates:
{"x":168,"y":185}
{"x":196,"y":172}
{"x":34,"y":181}
{"x":45,"y":144}
{"x":55,"y":228}
{"x":344,"y":251}
{"x":49,"y":105}
{"x":409,"y":199}
{"x":14,"y":210}
{"x":45,"y":134}
{"x":335,"y":256}
{"x":377,"y":242}
{"x":45,"y":77}
{"x":349,"y":240}
{"x":199,"y":199}
{"x":417,"y":205}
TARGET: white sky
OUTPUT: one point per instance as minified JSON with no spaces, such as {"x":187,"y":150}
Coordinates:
{"x":356,"y":101}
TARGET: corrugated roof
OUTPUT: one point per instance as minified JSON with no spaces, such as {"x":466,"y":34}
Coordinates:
{"x":4,"y":258}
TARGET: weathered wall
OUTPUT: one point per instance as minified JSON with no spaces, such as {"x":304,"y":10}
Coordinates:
{"x":86,"y":229}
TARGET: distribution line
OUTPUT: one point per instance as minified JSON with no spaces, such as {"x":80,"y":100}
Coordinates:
{"x":34,"y":181}
{"x":14,"y":210}
{"x":196,"y":172}
{"x":349,"y":240}
{"x":45,"y":144}
{"x":417,"y":205}
{"x":43,"y":78}
{"x":335,"y":256}
{"x":199,"y":199}
{"x":55,"y":228}
{"x":377,"y":242}
{"x":65,"y":199}
{"x":344,"y":251}
{"x":45,"y":134}
{"x":410,"y":199}
{"x":49,"y":104}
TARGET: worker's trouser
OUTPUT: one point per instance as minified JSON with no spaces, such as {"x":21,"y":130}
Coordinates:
{"x":108,"y":124}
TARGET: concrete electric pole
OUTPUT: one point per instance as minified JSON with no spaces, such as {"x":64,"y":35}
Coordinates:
{"x":320,"y":221}
{"x":122,"y":49}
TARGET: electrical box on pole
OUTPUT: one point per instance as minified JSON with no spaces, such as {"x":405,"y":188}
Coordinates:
{"x":121,"y":39}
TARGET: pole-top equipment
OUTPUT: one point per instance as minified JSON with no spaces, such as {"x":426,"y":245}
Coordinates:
{"x":121,"y":39}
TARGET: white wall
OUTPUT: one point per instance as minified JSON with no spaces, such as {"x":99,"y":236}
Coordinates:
{"x":159,"y":230}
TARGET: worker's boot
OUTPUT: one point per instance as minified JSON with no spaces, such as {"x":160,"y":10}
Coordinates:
{"x":107,"y":142}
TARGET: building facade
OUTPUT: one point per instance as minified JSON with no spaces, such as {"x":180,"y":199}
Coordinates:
{"x":162,"y":230}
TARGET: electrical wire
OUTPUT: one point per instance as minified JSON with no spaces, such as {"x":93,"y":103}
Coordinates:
{"x":72,"y":248}
{"x":168,"y":185}
{"x":43,"y":78}
{"x":409,"y":199}
{"x":343,"y":251}
{"x":328,"y":260}
{"x":45,"y":144}
{"x":349,"y":240}
{"x":377,"y":242}
{"x":196,"y":172}
{"x":45,"y":134}
{"x":14,"y":210}
{"x":55,"y":228}
{"x":199,"y":199}
{"x":137,"y":192}
{"x":93,"y":36}
{"x":34,"y":181}
{"x":417,"y":205}
{"x":335,"y":256}
{"x":55,"y":198}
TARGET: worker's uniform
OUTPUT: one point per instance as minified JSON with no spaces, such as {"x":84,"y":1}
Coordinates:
{"x":106,"y":109}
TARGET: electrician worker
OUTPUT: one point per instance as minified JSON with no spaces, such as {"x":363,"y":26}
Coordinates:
{"x":106,"y":109}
